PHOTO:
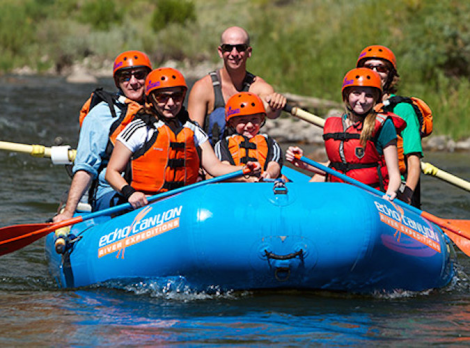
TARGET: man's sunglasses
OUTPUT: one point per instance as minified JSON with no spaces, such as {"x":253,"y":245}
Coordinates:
{"x":126,"y":76}
{"x":229,"y":48}
{"x":378,"y":68}
{"x":163,"y":98}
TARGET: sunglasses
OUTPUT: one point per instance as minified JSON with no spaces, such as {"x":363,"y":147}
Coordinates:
{"x":163,"y":98}
{"x":229,"y":48}
{"x":126,"y":76}
{"x":378,"y":68}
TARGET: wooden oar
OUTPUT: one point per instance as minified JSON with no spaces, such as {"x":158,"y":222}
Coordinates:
{"x":426,"y":168}
{"x":16,"y":237}
{"x":457,"y":230}
{"x":58,"y":154}
{"x":429,"y":169}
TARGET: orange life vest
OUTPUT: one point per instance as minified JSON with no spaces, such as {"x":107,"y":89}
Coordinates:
{"x":167,"y":161}
{"x":243,"y":149}
{"x":423,"y":113}
{"x":128,"y":107}
{"x":348,"y":156}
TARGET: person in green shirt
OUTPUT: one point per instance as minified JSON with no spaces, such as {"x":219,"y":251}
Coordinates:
{"x":383,"y":61}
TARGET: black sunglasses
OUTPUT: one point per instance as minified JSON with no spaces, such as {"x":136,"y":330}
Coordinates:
{"x":126,"y":76}
{"x":378,"y":68}
{"x":229,"y":48}
{"x":165,"y":97}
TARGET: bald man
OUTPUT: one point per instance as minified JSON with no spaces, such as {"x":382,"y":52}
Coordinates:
{"x":206,"y":103}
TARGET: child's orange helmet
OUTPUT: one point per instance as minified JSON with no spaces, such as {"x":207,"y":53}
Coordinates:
{"x":362,"y":77}
{"x":131,"y":59}
{"x":244,"y":104}
{"x":164,"y":78}
{"x":376,"y":52}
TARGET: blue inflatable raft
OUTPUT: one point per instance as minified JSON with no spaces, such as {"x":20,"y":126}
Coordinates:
{"x":240,"y":236}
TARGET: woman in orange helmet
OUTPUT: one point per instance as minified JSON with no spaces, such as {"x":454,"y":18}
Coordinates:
{"x":162,"y":146}
{"x":382,"y":60}
{"x":102,"y":117}
{"x":362,"y":143}
{"x":245,"y":115}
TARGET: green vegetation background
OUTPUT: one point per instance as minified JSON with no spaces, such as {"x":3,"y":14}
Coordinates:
{"x":299,"y":46}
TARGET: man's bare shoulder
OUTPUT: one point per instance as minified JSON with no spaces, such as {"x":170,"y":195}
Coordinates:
{"x":261,"y":87}
{"x":202,"y":86}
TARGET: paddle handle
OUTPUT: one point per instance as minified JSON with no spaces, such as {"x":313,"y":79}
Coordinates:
{"x":58,"y":154}
{"x":429,"y":169}
{"x":304,"y":115}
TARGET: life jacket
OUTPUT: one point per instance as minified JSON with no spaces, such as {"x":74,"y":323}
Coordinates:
{"x":348,"y":156}
{"x":214,"y":123}
{"x":128,"y":108}
{"x":167,"y":161}
{"x":242,"y":149}
{"x":423,"y":113}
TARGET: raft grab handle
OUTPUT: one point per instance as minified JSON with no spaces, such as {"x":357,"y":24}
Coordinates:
{"x":271,"y":255}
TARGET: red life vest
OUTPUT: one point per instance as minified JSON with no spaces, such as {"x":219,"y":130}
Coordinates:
{"x":167,"y":161}
{"x":243,"y":149}
{"x":348,"y":156}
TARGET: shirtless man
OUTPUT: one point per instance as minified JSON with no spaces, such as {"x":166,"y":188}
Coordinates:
{"x":206,"y":104}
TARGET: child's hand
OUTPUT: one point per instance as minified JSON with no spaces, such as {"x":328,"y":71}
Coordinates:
{"x":252,"y":169}
{"x":291,"y":156}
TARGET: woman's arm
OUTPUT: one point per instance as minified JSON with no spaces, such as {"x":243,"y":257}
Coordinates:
{"x":117,"y":164}
{"x":391,"y":160}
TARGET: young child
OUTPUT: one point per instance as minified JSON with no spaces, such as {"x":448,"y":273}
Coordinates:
{"x":362,"y":144}
{"x":245,"y":115}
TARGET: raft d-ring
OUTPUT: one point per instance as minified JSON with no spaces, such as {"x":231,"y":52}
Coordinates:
{"x":281,"y":270}
{"x":279,"y":187}
{"x":270,"y":255}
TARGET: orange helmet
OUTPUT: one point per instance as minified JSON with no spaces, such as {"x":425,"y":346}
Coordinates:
{"x":376,"y":52}
{"x":131,"y":59}
{"x":244,"y":104}
{"x":362,"y":77}
{"x":164,"y":78}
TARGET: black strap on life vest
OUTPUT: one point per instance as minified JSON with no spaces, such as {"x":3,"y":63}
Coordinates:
{"x":99,"y":95}
{"x":341,"y":136}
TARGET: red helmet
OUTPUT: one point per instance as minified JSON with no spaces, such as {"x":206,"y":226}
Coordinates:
{"x":164,"y":78}
{"x":376,"y":52}
{"x":244,"y":104}
{"x":131,"y":59}
{"x":362,"y":77}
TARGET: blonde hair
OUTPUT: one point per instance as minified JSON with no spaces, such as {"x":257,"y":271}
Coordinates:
{"x":368,"y":127}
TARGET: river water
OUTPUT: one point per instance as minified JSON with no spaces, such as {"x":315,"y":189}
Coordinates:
{"x":33,"y":311}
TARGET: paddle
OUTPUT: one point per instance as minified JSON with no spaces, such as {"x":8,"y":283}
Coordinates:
{"x":58,"y":154}
{"x":426,"y":168}
{"x":457,"y":230}
{"x":16,"y":237}
{"x":429,"y":169}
